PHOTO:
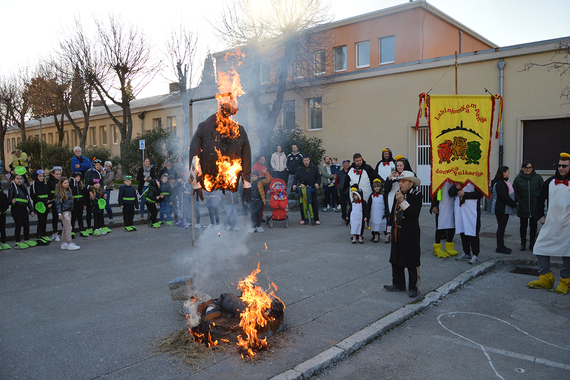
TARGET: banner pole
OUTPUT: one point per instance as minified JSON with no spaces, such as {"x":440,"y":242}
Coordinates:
{"x":456,"y":73}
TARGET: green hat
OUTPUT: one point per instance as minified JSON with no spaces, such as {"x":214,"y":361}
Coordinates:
{"x":40,"y":207}
{"x":128,"y":177}
{"x":20,"y":170}
{"x":102,"y":203}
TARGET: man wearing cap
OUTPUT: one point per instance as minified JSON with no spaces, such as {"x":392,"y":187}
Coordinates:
{"x":308,"y":175}
{"x":90,"y":175}
{"x":405,"y":234}
{"x":79,"y":163}
{"x":554,"y":237}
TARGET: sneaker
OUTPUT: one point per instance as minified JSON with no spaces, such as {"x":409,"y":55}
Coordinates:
{"x":111,"y":221}
{"x":198,"y":226}
{"x":251,"y":230}
{"x":236,"y":228}
{"x":255,"y":230}
{"x":302,"y":222}
{"x":73,"y":247}
{"x":464,"y":257}
{"x":318,"y":222}
{"x":474,"y":260}
{"x":97,"y":232}
{"x":338,"y":208}
{"x":505,"y":250}
{"x":335,"y":210}
{"x":228,"y":227}
{"x":55,"y":237}
{"x":64,"y":245}
{"x":260,"y":229}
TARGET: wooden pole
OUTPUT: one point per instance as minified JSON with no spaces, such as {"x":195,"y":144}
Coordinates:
{"x":456,"y":72}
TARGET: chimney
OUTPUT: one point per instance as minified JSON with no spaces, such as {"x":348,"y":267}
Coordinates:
{"x":97,"y":103}
{"x":174,"y":87}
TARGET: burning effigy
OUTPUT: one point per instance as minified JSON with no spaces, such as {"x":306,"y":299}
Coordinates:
{"x":246,"y":320}
{"x":220,"y":148}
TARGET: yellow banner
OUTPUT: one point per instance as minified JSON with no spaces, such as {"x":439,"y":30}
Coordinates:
{"x":460,"y":137}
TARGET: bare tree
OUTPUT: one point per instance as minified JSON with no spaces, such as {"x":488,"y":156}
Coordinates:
{"x":181,"y":50}
{"x":561,"y":66}
{"x":16,"y":99}
{"x":75,"y":62}
{"x":5,"y":114}
{"x":288,"y":35}
{"x":128,"y":68}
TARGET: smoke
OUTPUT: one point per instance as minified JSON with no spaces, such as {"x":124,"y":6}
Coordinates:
{"x":191,"y":309}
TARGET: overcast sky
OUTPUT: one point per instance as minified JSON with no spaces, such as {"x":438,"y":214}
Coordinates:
{"x":30,"y":29}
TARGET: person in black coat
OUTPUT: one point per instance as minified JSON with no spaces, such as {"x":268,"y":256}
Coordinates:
{"x":503,"y":205}
{"x":128,"y":201}
{"x":21,"y":203}
{"x":405,"y":234}
{"x":40,"y":193}
{"x":230,"y":144}
{"x":145,"y":175}
{"x":309,"y":175}
{"x":80,"y":200}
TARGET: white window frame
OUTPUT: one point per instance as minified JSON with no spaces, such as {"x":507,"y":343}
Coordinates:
{"x":380,"y":61}
{"x":157,"y":123}
{"x":93,"y":133}
{"x":309,"y":114}
{"x":358,"y":45}
{"x":170,"y":124}
{"x":103,"y":130}
{"x":116,"y":134}
{"x":343,"y":47}
{"x":320,"y":60}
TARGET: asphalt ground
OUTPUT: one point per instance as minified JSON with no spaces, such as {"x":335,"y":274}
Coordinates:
{"x":97,"y":313}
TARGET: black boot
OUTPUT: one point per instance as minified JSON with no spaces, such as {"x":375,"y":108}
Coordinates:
{"x":523,"y":245}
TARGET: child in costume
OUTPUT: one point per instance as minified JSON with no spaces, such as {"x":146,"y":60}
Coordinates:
{"x":21,"y":203}
{"x":306,"y":194}
{"x":377,"y":210}
{"x":79,"y":202}
{"x":128,"y":201}
{"x":151,"y":196}
{"x":467,"y":211}
{"x":4,"y":204}
{"x":165,"y":201}
{"x":258,"y":199}
{"x":52,"y":181}
{"x":64,"y":206}
{"x":40,"y":194}
{"x":443,"y":208}
{"x":97,"y":200}
{"x":358,"y":215}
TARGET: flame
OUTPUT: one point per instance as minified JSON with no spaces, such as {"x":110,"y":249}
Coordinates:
{"x":255,"y":315}
{"x":229,"y":86}
{"x":227,"y":177}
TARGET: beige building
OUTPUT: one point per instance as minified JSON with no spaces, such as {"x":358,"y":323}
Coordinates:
{"x":375,"y":106}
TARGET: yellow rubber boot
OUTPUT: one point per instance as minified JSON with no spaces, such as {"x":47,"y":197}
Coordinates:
{"x":450,"y":249}
{"x":545,"y":281}
{"x":439,"y":252}
{"x":563,"y":286}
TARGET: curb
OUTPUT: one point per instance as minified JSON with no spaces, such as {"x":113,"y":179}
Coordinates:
{"x":361,"y":338}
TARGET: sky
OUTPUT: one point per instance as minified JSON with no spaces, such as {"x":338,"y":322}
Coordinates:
{"x":31,"y":33}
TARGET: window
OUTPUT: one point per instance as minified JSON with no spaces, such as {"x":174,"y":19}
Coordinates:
{"x":50,"y":138}
{"x":171,"y":122}
{"x":320,"y":67}
{"x":18,"y":140}
{"x":14,"y":142}
{"x":157,"y":123}
{"x":8,"y":148}
{"x":316,"y":113}
{"x":387,"y":49}
{"x":363,"y":54}
{"x":74,"y":137}
{"x":116,"y":135}
{"x":66,"y":138}
{"x":265,"y":68}
{"x":543,"y":139}
{"x":103,"y":134}
{"x":289,"y":115}
{"x":93,"y":136}
{"x":340,"y":58}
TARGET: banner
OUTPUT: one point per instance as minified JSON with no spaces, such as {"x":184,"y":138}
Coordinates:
{"x":460,"y":138}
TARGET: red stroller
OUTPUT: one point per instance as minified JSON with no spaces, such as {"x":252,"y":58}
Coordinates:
{"x":278,"y":202}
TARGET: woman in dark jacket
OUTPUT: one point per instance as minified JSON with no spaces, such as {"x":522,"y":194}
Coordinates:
{"x":526,"y":185}
{"x":503,"y":205}
{"x":144,"y":176}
